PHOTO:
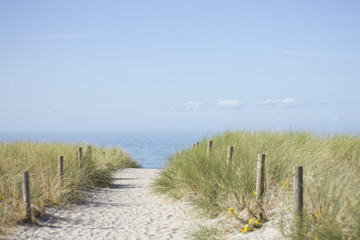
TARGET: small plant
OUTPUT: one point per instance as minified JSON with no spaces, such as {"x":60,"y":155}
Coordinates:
{"x":251,"y":226}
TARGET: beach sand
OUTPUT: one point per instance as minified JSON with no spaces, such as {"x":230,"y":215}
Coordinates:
{"x":126,"y":210}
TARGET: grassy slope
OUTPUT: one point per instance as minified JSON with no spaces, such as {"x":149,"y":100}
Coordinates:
{"x":41,"y":161}
{"x":331,"y":179}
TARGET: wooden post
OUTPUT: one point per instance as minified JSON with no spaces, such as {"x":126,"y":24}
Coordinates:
{"x":209,"y":147}
{"x":298,"y":189}
{"x":230,"y":152}
{"x":61,"y":170}
{"x":260,"y":177}
{"x":89,"y":151}
{"x":26,"y":195}
{"x":80,"y":157}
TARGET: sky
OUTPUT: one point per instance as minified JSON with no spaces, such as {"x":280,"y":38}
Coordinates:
{"x":158,"y":65}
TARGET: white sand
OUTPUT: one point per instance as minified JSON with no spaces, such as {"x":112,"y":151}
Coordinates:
{"x":127,"y":210}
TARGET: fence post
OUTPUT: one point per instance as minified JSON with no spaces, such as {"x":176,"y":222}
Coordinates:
{"x":80,"y":157}
{"x":89,"y":151}
{"x":61,"y":170}
{"x":209,"y":147}
{"x":26,"y":195}
{"x":260,"y":177}
{"x":230,"y":152}
{"x":298,"y":189}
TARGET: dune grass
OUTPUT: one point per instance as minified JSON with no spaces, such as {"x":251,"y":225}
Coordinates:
{"x":331,"y":181}
{"x":41,"y":160}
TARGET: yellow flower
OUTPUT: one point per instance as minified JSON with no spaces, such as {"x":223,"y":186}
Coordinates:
{"x":254,"y":192}
{"x":231,"y":211}
{"x":245,"y":200}
{"x":250,"y":221}
{"x":257,"y":223}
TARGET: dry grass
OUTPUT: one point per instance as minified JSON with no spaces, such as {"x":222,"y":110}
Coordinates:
{"x":41,"y":160}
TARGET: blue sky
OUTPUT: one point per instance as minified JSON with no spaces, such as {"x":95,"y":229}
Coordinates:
{"x":179,"y":65}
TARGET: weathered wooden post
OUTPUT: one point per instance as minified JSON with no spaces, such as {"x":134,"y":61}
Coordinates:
{"x":260,"y":177}
{"x":209,"y":147}
{"x":61,"y":170}
{"x":230,"y":152}
{"x":80,"y":157}
{"x":26,"y":195}
{"x":89,"y":151}
{"x":298,"y":189}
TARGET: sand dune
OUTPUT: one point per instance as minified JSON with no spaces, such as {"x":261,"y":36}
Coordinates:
{"x":127,"y":210}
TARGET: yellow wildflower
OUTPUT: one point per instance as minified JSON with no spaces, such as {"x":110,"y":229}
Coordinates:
{"x":254,"y":192}
{"x":232,"y":211}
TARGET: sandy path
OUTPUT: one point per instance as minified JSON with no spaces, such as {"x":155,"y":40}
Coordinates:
{"x":127,"y":210}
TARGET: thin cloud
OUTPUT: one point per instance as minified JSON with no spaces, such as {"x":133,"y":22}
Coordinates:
{"x":284,"y":51}
{"x":230,"y":104}
{"x":283,"y":103}
{"x":303,"y":53}
{"x":192,"y":105}
{"x":336,"y":18}
{"x":336,"y":102}
{"x":115,"y":35}
{"x":75,"y":36}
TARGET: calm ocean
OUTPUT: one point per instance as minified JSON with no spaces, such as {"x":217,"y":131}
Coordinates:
{"x":151,"y":149}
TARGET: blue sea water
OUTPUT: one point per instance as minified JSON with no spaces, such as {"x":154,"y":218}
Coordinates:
{"x":150,"y":149}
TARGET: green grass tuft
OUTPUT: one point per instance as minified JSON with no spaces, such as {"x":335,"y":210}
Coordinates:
{"x":331,"y":178}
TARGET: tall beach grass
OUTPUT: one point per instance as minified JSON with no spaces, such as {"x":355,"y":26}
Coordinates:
{"x":331,"y":181}
{"x":41,"y":160}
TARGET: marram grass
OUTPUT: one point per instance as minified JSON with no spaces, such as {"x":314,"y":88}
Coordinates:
{"x":41,"y":160}
{"x":331,"y":181}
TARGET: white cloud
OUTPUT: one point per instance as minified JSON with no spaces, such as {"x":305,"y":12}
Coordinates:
{"x":230,"y":104}
{"x":286,"y":103}
{"x":191,"y":105}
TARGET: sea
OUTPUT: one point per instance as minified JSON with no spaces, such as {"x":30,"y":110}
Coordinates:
{"x":151,"y":149}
